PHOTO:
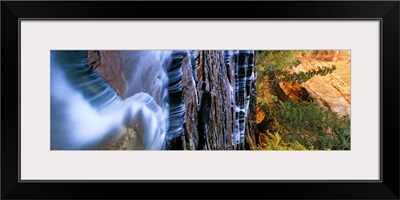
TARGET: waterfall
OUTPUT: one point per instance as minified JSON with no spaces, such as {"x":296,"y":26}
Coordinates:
{"x":85,"y":109}
{"x":243,"y":64}
{"x":195,"y":67}
{"x":176,"y":106}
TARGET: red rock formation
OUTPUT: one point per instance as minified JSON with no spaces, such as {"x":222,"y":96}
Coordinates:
{"x":331,"y":91}
{"x":331,"y":55}
{"x":109,"y":65}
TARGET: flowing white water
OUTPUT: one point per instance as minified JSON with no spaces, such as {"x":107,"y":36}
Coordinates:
{"x":176,"y":106}
{"x":243,"y":64}
{"x":195,"y":67}
{"x":84,"y":109}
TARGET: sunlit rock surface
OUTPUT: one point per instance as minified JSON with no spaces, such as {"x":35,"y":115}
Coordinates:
{"x":331,"y":91}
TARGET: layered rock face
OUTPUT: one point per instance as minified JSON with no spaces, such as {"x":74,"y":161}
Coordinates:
{"x":331,"y":91}
{"x":211,"y":103}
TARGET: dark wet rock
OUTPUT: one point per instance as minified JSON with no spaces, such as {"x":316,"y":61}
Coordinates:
{"x":219,"y":129}
{"x":190,"y":99}
{"x":210,"y":103}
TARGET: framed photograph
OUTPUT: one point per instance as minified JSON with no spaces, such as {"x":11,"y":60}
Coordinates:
{"x":115,"y":99}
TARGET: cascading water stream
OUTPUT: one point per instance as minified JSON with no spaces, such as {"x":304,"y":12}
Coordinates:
{"x":243,"y":63}
{"x":176,"y":106}
{"x":85,"y":109}
{"x":195,"y":67}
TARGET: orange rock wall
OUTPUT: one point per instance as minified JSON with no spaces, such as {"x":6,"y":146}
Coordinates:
{"x":331,"y":91}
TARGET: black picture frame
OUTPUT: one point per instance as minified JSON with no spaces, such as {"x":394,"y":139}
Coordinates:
{"x":386,"y":11}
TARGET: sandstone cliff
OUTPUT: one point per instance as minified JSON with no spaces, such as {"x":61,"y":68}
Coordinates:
{"x":331,"y":91}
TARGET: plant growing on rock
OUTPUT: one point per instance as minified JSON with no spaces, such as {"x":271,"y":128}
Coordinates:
{"x":304,"y":124}
{"x":277,"y":65}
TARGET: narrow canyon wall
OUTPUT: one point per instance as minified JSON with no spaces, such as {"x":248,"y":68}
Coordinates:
{"x":210,"y":101}
{"x":209,"y":110}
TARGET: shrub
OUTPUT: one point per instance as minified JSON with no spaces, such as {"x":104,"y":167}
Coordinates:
{"x":307,"y":124}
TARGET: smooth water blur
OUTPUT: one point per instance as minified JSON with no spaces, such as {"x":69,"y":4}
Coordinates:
{"x":85,"y":109}
{"x":243,"y":65}
{"x":195,"y":67}
{"x":176,"y":106}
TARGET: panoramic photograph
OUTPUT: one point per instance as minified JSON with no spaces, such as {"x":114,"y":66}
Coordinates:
{"x":167,"y":100}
